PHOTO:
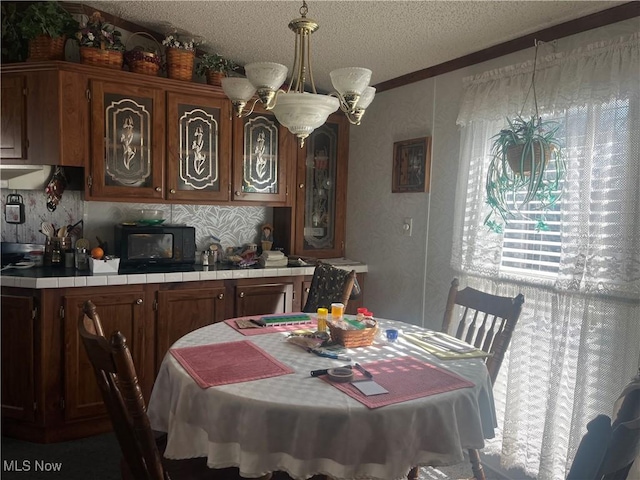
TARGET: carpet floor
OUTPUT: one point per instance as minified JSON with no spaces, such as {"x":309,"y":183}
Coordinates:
{"x":98,"y":457}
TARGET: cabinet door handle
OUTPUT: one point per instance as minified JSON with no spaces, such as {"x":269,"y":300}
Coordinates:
{"x":158,"y":189}
{"x":307,"y":290}
{"x":237,"y":192}
{"x":173,"y":190}
{"x":241,"y":294}
{"x":220,"y":296}
{"x":139,"y":301}
{"x":301,"y":185}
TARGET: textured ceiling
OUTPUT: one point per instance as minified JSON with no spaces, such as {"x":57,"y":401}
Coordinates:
{"x":392,"y":38}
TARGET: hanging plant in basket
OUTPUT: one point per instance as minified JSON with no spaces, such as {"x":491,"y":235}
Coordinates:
{"x":526,"y":169}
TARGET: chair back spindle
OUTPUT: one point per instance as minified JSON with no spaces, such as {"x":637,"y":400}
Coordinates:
{"x":486,"y":321}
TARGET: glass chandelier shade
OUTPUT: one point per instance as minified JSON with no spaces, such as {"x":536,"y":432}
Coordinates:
{"x":298,"y":110}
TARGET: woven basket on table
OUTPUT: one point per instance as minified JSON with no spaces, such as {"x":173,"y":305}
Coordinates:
{"x":180,"y":63}
{"x":100,"y":57}
{"x":353,"y":338}
{"x":141,"y":61}
{"x":43,"y":47}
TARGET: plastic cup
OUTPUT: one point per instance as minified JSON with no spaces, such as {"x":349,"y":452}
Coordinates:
{"x":392,"y":334}
{"x":337,"y":310}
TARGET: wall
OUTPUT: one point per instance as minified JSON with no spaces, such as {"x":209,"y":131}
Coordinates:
{"x":410,"y":276}
{"x":234,"y":226}
{"x":395,"y":282}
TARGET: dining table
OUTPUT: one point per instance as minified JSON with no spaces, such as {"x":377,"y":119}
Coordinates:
{"x":244,"y":397}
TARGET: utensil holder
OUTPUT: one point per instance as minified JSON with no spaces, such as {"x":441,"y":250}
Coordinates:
{"x":54,"y":250}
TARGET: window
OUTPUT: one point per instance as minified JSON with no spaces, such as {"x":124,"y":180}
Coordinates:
{"x":595,"y":138}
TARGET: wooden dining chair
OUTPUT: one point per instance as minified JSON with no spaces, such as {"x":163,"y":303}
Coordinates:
{"x":608,"y":450}
{"x":486,"y":321}
{"x":329,"y":285}
{"x":141,"y":447}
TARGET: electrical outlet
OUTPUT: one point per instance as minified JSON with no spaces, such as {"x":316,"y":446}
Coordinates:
{"x":407,"y":226}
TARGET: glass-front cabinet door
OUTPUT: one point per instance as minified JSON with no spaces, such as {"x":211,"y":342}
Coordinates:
{"x":322,"y":191}
{"x":260,"y":152}
{"x":198,"y":147}
{"x":127,"y":135}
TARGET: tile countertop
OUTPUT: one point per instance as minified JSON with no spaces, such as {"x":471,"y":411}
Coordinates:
{"x":68,"y":277}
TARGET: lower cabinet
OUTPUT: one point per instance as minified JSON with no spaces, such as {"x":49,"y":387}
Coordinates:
{"x":49,"y":391}
{"x":123,"y":311}
{"x":184,"y":309}
{"x":18,"y":388}
{"x":259,"y":297}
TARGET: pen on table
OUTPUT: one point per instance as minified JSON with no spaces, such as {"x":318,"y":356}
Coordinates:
{"x":260,"y":323}
{"x":329,"y":355}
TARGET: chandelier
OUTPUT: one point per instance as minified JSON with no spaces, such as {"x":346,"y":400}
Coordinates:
{"x":300,"y":111}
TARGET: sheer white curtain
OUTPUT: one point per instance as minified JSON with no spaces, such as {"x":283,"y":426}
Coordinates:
{"x":578,"y":339}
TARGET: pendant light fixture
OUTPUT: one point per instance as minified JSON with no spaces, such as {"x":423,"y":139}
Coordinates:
{"x":298,"y":110}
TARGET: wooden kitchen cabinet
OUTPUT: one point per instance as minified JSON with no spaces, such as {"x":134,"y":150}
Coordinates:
{"x":45,"y":115}
{"x":49,"y":391}
{"x":18,"y":387}
{"x":125,"y":311}
{"x":127,"y":136}
{"x":13,"y":120}
{"x":198,"y":147}
{"x":262,"y":152}
{"x":317,"y":223}
{"x":185,"y":308}
{"x":265,"y":296}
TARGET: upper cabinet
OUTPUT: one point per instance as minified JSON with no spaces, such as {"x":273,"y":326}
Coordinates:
{"x":155,"y":144}
{"x":143,"y":138}
{"x":315,"y":225}
{"x":127,"y":135}
{"x":322,"y":191}
{"x":198,"y":147}
{"x":13,"y":130}
{"x":261,"y":150}
{"x":44,"y":116}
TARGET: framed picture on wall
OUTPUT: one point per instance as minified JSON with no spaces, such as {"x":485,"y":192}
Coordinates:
{"x":411,"y":165}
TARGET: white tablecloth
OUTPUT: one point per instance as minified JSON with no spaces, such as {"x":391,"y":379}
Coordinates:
{"x":305,"y":426}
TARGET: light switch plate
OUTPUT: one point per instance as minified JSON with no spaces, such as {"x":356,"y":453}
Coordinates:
{"x":407,"y":226}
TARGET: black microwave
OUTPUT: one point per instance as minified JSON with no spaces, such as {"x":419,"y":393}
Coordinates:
{"x":155,"y":248}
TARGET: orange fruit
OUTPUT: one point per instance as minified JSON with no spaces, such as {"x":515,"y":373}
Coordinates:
{"x":97,"y":253}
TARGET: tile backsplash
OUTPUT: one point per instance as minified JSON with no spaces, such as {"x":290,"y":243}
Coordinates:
{"x":234,"y":226}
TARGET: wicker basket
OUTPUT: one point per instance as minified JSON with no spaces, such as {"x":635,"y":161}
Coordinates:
{"x":43,"y":47}
{"x":100,"y":57}
{"x":180,"y":64}
{"x":353,"y":338}
{"x":140,"y":61}
{"x":214,"y":78}
{"x":514,"y":155}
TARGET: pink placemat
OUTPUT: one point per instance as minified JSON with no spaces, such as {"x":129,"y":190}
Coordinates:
{"x":405,"y":378}
{"x":230,"y":362}
{"x":262,"y":330}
